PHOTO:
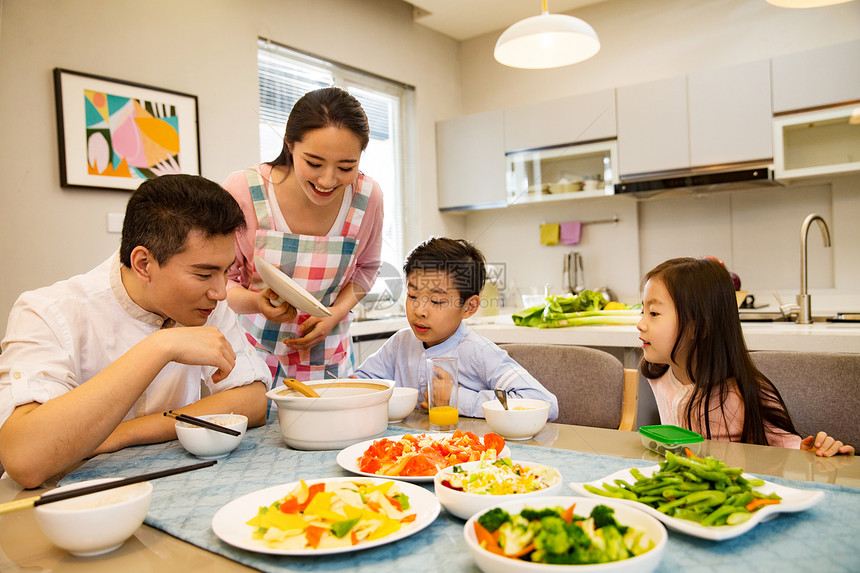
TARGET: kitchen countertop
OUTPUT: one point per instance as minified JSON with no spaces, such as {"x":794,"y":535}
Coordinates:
{"x":786,"y":336}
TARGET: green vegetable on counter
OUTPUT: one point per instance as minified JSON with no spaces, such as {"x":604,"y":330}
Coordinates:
{"x":575,"y":310}
{"x":704,"y":490}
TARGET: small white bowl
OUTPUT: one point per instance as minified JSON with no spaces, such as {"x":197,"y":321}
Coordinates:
{"x":96,"y":523}
{"x":208,"y":444}
{"x":514,"y":424}
{"x":625,"y":514}
{"x":464,"y":504}
{"x":402,"y":402}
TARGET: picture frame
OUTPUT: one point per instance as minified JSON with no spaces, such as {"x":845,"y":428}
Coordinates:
{"x":114,"y":134}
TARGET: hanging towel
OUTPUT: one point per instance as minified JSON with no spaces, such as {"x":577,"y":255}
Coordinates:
{"x":549,"y":234}
{"x":571,"y":232}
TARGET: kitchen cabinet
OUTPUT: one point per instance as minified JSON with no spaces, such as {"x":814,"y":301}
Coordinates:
{"x":820,"y":142}
{"x":470,"y":159}
{"x":563,"y":172}
{"x":563,"y":121}
{"x":815,"y":78}
{"x":653,"y":131}
{"x":364,"y":346}
{"x":712,"y":117}
{"x":730,"y":114}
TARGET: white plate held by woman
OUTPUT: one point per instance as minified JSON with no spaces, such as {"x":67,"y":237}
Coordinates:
{"x":288,"y":289}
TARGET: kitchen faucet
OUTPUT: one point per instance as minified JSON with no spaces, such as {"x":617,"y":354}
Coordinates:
{"x":804,"y":302}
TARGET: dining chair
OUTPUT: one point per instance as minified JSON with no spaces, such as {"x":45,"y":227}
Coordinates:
{"x":592,"y":386}
{"x":820,"y":389}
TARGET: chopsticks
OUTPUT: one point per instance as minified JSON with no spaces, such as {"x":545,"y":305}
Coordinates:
{"x":49,"y":497}
{"x":202,"y":423}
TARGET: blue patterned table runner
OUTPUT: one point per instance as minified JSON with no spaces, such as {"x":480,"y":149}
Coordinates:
{"x":823,"y":538}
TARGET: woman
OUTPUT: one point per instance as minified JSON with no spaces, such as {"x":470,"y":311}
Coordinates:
{"x":312,"y":214}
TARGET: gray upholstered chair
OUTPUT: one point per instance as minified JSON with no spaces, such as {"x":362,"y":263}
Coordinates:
{"x":821,"y":390}
{"x":593,"y":388}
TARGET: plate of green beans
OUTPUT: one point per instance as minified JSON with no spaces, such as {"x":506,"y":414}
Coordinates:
{"x":702,"y":497}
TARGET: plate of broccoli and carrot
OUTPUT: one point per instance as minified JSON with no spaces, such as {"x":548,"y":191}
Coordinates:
{"x":702,"y":497}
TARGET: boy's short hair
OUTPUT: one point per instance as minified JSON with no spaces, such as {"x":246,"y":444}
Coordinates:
{"x":459,"y":259}
{"x":163,"y":211}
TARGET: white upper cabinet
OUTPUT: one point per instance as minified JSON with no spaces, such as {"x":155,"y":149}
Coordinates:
{"x":730,"y":114}
{"x":708,"y":118}
{"x":822,"y":77}
{"x":653,"y":133}
{"x":819,"y":142}
{"x":470,"y":159}
{"x":564,"y":121}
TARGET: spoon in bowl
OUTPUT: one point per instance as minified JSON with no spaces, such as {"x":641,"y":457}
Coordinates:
{"x":301,"y":388}
{"x":502,"y":396}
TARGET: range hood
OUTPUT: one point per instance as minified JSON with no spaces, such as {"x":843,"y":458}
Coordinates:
{"x":702,"y":180}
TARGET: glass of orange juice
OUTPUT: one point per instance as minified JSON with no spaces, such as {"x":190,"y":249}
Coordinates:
{"x":442,"y":393}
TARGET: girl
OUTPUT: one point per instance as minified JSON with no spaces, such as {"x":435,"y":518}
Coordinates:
{"x":697,"y":363}
{"x":312,"y":214}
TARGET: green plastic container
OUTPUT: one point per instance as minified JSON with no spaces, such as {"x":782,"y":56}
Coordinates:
{"x":661,"y":439}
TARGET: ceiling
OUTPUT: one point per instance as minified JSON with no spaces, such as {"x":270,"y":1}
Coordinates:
{"x":465,"y":19}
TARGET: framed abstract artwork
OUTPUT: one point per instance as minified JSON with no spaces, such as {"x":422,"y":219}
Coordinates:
{"x":114,"y":134}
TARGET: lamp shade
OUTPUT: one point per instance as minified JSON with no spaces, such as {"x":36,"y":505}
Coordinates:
{"x":546,"y":41}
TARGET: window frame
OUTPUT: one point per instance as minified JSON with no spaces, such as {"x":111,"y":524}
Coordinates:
{"x":403,"y":136}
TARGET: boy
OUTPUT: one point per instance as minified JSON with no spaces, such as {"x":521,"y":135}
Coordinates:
{"x":90,"y":364}
{"x":443,"y":280}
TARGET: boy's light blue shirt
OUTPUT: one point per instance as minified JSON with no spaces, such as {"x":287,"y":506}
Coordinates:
{"x":482,"y":366}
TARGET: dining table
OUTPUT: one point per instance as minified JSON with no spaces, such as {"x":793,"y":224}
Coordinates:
{"x":177,"y":534}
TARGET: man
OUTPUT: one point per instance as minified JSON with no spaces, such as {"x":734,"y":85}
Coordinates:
{"x":89,"y":364}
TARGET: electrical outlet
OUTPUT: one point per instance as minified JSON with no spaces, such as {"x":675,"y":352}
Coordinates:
{"x":114,"y":222}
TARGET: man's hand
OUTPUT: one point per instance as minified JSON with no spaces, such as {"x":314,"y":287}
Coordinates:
{"x":202,"y":346}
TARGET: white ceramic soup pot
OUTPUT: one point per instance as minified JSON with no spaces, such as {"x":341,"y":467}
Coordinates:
{"x":348,"y":411}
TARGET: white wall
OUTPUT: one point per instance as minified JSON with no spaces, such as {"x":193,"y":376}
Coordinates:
{"x":208,"y":48}
{"x":201,"y":47}
{"x":756,"y":232}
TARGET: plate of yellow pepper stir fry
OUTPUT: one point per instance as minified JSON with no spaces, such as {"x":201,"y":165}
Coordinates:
{"x":327,"y":516}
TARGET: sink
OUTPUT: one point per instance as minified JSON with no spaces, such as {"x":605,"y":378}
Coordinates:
{"x":845,"y":317}
{"x":757,"y":316}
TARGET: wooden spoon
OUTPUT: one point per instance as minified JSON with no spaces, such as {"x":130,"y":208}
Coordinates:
{"x":300,"y":387}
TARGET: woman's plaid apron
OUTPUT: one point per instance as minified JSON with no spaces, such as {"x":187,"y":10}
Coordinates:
{"x":322,"y":265}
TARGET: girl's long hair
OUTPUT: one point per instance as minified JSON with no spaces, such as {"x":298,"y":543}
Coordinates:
{"x":710,"y":327}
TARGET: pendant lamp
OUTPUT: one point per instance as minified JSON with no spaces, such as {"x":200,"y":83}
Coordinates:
{"x":546,"y":41}
{"x":805,"y":3}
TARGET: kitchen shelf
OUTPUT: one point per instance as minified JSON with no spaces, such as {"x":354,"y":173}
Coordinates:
{"x":560,"y":173}
{"x":821,"y":142}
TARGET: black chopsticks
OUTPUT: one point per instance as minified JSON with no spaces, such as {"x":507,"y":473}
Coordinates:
{"x":202,"y":423}
{"x":49,"y":497}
